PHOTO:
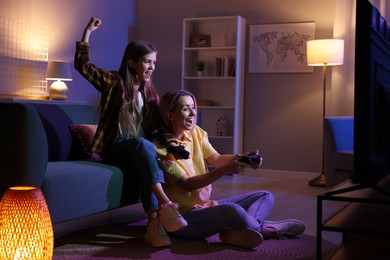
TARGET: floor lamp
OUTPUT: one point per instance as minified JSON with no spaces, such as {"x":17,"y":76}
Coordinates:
{"x":26,"y":230}
{"x":326,"y":52}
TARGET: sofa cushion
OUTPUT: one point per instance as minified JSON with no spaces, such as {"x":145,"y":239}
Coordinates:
{"x":56,"y":119}
{"x":82,"y":137}
{"x":76,"y":189}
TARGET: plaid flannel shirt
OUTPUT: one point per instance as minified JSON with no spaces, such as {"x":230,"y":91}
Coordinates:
{"x":111,"y":87}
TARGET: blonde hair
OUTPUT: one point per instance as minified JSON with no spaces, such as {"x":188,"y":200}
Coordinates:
{"x":169,"y":102}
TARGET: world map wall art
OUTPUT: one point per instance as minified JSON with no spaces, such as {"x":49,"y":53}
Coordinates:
{"x":279,"y":48}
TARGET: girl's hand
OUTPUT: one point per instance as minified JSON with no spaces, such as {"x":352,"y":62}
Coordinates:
{"x":93,"y":24}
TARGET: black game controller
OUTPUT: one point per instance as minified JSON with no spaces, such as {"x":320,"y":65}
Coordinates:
{"x":179,"y":150}
{"x":248,"y":160}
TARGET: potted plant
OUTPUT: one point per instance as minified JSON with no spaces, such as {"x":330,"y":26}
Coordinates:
{"x":200,"y":67}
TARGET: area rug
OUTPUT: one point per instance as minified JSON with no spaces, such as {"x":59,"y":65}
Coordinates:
{"x":126,"y":241}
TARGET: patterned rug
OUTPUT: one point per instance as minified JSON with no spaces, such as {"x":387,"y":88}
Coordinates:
{"x":127,"y":242}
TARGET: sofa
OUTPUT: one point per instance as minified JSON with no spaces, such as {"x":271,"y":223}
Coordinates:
{"x":45,"y":144}
{"x":338,"y":149}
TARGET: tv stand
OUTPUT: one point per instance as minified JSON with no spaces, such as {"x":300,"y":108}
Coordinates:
{"x":382,"y":186}
{"x":362,"y":215}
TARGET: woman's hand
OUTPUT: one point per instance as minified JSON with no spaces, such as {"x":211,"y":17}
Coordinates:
{"x":232,"y":167}
{"x":253,"y":162}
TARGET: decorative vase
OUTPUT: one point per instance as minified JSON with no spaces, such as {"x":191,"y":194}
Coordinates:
{"x":200,"y":73}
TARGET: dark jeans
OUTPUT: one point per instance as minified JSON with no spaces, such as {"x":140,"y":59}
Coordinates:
{"x":138,"y":157}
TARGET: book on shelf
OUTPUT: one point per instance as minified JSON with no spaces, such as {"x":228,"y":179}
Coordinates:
{"x":225,"y":67}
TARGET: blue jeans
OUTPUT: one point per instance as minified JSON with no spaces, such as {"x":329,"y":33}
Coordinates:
{"x":138,"y":157}
{"x":245,"y":211}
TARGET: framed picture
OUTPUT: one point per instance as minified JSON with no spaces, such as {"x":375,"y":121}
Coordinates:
{"x":279,"y":48}
{"x":200,"y":40}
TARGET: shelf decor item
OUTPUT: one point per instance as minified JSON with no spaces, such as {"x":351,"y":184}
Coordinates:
{"x":200,"y":40}
{"x":200,"y":68}
{"x":25,"y":226}
{"x":222,"y":126}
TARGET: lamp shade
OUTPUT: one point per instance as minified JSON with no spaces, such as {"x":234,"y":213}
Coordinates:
{"x":58,"y":70}
{"x":25,"y":226}
{"x":328,"y":52}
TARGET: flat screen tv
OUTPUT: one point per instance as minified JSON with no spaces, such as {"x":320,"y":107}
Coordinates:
{"x":372,"y":95}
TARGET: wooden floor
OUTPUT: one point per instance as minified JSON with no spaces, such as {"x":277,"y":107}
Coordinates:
{"x":294,"y":198}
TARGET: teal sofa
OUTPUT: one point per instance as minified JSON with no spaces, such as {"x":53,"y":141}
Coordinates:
{"x":39,"y":149}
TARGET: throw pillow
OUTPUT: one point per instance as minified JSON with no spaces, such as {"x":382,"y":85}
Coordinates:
{"x":82,"y":135}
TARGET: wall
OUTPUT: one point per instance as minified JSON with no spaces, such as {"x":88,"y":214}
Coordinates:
{"x":283,"y":112}
{"x":67,"y":20}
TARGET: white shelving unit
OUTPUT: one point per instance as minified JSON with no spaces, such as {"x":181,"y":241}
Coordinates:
{"x":218,"y":93}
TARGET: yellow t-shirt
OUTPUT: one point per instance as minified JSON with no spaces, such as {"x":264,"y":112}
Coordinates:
{"x":197,"y":143}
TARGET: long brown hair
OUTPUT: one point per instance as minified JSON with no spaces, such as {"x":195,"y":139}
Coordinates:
{"x":134,"y":51}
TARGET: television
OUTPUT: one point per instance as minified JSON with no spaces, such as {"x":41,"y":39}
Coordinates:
{"x":372,"y":96}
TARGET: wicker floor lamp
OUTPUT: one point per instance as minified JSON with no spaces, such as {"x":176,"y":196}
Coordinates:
{"x":25,"y":226}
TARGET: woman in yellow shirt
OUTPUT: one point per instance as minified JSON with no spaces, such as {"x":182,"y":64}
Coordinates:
{"x":239,"y":220}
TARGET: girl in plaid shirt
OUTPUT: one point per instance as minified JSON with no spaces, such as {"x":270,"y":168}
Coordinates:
{"x":128,"y":116}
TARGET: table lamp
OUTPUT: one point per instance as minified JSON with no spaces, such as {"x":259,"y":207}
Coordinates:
{"x":25,"y":226}
{"x":59,"y":71}
{"x":325,"y":52}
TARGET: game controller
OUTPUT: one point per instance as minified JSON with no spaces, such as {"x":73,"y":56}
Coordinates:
{"x":248,"y":160}
{"x":178,"y":150}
